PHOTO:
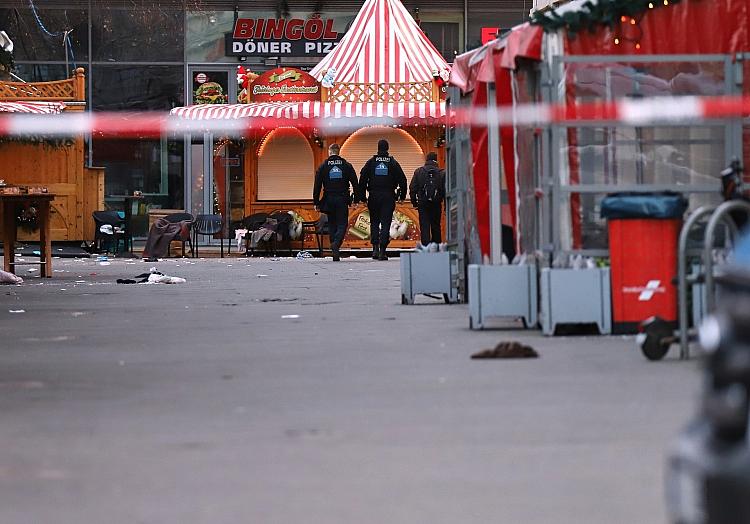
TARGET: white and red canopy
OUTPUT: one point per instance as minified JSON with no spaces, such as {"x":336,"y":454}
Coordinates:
{"x":315,"y":110}
{"x":35,"y":108}
{"x":384,"y":46}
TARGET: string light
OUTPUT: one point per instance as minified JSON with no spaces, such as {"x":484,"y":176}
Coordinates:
{"x":650,"y":5}
{"x":617,"y":41}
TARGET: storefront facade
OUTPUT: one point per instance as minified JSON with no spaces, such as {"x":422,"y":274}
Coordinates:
{"x":140,"y":57}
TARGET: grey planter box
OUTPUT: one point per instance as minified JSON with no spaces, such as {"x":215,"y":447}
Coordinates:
{"x":576,"y":296}
{"x":502,"y":291}
{"x":429,"y":273}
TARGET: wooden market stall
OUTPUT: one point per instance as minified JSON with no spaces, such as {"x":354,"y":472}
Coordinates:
{"x":53,"y":163}
{"x":385,"y":75}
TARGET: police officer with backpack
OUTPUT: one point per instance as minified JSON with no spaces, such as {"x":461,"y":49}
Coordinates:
{"x":384,"y":180}
{"x":427,"y":192}
{"x":335,"y":175}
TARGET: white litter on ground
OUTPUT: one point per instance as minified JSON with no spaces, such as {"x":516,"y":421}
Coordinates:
{"x":289,"y":316}
{"x":164,"y":279}
{"x":9,"y":278}
{"x":16,"y":311}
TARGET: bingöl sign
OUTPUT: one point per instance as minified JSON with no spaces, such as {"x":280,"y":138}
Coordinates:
{"x":281,"y":37}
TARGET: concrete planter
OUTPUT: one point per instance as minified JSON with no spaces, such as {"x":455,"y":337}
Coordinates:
{"x":502,"y":291}
{"x":576,"y":296}
{"x":428,"y":273}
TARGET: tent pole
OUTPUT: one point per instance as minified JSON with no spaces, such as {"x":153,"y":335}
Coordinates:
{"x":495,"y":172}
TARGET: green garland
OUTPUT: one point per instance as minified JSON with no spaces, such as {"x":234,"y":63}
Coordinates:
{"x":594,"y":14}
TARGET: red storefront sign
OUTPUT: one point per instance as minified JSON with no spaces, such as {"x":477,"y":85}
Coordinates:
{"x":284,"y":84}
{"x":489,"y":34}
{"x":280,"y":37}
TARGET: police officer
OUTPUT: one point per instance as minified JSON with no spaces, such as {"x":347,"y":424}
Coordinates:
{"x":427,"y":192}
{"x":384,"y":180}
{"x":335,"y":175}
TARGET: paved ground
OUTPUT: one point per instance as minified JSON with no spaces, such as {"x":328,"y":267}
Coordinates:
{"x":199,"y":403}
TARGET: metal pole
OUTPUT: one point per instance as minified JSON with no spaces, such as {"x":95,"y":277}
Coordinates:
{"x":682,"y":277}
{"x":495,"y":172}
{"x":466,"y":24}
{"x":716,"y":218}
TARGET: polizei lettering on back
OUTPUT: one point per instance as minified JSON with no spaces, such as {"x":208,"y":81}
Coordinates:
{"x":281,"y":37}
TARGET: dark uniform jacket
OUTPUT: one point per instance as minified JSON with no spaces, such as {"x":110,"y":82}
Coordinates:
{"x":420,"y":178}
{"x":334,"y":175}
{"x":382,"y":173}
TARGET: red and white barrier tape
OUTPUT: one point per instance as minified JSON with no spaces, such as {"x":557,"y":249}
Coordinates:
{"x":640,"y":112}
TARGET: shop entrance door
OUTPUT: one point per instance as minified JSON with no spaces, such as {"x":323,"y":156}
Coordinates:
{"x":215,"y":181}
{"x":214,"y":165}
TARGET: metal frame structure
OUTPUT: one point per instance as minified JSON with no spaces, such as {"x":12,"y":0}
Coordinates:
{"x":557,"y":192}
{"x":461,"y":232}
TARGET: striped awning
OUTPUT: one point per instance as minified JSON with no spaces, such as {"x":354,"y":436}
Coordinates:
{"x":405,"y":111}
{"x":36,"y":108}
{"x":384,"y":45}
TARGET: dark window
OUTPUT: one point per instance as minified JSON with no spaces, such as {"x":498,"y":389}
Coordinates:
{"x":444,"y":36}
{"x":41,"y":72}
{"x":144,"y":34}
{"x":135,"y":88}
{"x":154,"y":167}
{"x":32,"y":43}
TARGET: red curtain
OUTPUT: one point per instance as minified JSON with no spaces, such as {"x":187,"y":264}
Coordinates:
{"x":480,"y":171}
{"x":690,"y":27}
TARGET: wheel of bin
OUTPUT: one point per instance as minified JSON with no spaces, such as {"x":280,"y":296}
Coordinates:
{"x":655,"y":338}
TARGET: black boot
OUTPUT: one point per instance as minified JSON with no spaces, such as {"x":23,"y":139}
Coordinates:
{"x":335,"y":247}
{"x":383,"y":256}
{"x":375,"y":252}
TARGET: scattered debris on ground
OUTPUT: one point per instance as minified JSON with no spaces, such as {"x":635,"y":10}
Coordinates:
{"x":9,"y":278}
{"x":152,"y":277}
{"x":507,"y":349}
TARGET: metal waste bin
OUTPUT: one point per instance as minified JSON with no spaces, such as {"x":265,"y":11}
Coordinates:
{"x":643,"y":234}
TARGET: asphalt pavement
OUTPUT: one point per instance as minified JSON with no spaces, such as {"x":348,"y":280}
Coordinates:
{"x":302,"y":391}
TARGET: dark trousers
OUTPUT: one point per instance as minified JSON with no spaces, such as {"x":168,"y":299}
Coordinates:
{"x":337,"y":209}
{"x":429,"y":221}
{"x":381,"y":206}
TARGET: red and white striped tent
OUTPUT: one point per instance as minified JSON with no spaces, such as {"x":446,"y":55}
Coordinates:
{"x":384,"y":46}
{"x":35,"y":108}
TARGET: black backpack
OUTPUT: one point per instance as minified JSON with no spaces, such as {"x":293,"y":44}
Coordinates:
{"x":430,"y":189}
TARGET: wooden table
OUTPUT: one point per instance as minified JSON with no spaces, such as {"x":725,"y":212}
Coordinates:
{"x":9,"y":205}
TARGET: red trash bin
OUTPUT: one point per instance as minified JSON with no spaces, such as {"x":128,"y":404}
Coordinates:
{"x":643,"y":259}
